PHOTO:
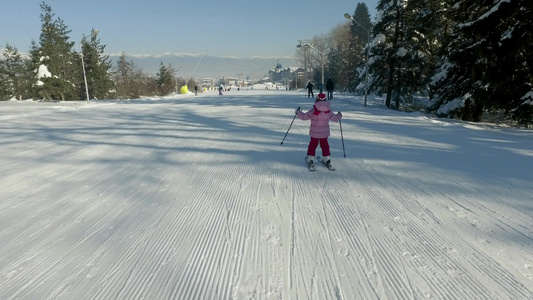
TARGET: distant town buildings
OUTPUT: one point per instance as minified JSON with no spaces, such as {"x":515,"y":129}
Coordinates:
{"x":291,"y":76}
{"x":206,"y":82}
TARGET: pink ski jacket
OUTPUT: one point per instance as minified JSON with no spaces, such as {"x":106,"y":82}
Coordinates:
{"x":320,"y":115}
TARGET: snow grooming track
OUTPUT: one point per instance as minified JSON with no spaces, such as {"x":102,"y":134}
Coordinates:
{"x":265,"y":244}
{"x":442,"y":267}
{"x":193,"y":198}
{"x":212,"y":264}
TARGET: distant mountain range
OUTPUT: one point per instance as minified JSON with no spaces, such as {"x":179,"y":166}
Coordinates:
{"x":205,"y":66}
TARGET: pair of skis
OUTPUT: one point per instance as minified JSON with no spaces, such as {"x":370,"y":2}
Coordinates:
{"x":311,"y":164}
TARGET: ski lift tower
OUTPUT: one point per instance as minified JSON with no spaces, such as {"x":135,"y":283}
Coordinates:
{"x":306,"y":44}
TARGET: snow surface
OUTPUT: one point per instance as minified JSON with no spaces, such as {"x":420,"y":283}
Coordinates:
{"x":193,"y":197}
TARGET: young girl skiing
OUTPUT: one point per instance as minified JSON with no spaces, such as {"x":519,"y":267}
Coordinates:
{"x":320,"y":116}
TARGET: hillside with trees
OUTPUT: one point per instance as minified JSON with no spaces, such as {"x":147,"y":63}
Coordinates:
{"x":55,"y":70}
{"x":469,"y":58}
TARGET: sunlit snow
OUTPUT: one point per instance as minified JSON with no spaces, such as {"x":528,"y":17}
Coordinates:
{"x":193,"y":197}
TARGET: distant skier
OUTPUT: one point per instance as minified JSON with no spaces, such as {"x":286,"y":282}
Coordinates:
{"x":330,"y":87}
{"x":309,"y":88}
{"x":320,"y":116}
{"x":195,"y":90}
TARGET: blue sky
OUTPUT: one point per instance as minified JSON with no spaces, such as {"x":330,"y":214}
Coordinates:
{"x":235,"y":28}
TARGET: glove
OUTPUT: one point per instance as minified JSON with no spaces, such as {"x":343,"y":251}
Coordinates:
{"x":339,"y":113}
{"x":296,"y":111}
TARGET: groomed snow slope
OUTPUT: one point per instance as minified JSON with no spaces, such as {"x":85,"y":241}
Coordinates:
{"x":194,"y":198}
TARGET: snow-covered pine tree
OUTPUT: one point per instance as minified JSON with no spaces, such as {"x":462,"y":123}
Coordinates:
{"x":387,"y":48}
{"x":487,"y":60}
{"x":424,"y":26}
{"x":517,"y":43}
{"x":405,"y":48}
{"x":55,"y":52}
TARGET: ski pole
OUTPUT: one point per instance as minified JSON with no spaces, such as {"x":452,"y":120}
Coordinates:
{"x":290,"y":126}
{"x":342,"y":138}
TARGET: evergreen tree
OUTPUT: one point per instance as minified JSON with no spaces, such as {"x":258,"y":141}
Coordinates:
{"x":487,"y":62}
{"x":422,"y":27}
{"x":515,"y":65}
{"x":360,"y":43}
{"x":405,"y":48}
{"x":32,"y":66}
{"x":97,"y":68}
{"x":165,"y":80}
{"x":55,"y":52}
{"x":388,"y":50}
{"x":360,"y":29}
{"x":13,"y":75}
